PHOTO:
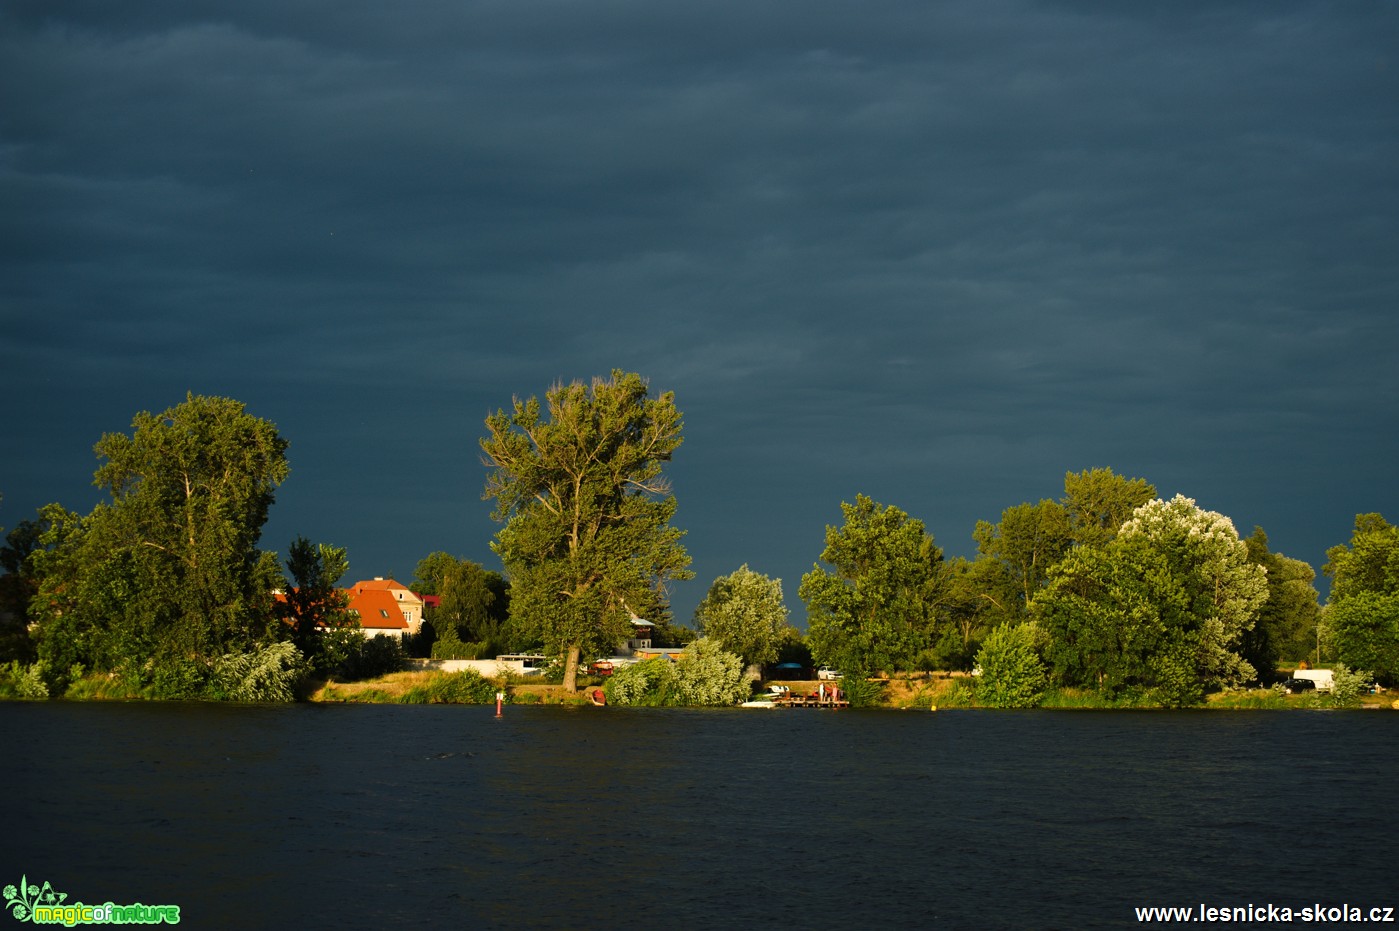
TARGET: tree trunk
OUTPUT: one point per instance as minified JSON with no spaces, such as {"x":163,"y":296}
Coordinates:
{"x":570,"y":668}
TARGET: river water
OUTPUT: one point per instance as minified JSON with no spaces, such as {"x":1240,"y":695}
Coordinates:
{"x":330,"y":816}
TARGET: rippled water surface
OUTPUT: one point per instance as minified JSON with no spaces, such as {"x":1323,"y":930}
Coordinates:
{"x":443,"y":816}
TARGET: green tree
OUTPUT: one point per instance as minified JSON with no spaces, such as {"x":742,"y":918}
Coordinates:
{"x":744,"y":613}
{"x":311,"y":601}
{"x":1012,"y":674}
{"x":587,"y":541}
{"x":875,"y":611}
{"x":1111,"y":614}
{"x":168,"y":568}
{"x":1098,"y":502}
{"x":1027,"y":542}
{"x":475,"y":601}
{"x":978,"y":596}
{"x":1286,"y":624}
{"x":1362,"y":612}
{"x":1369,"y":564}
{"x":431,"y":570}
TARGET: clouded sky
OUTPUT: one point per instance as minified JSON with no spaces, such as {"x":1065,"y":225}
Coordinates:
{"x":939,"y":254}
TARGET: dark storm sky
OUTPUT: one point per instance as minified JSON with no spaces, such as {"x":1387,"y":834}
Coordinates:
{"x":936,"y":253}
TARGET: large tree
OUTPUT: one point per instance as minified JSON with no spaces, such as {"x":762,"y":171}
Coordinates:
{"x":1362,"y":612}
{"x":587,"y":541}
{"x":744,"y":613}
{"x":168,"y":568}
{"x":875,"y":608}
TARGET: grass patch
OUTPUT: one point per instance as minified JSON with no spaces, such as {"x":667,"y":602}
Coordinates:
{"x":1089,"y":699}
{"x":1251,"y":700}
{"x":945,"y":690}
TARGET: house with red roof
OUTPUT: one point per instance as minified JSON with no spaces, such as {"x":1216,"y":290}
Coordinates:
{"x":385,"y":607}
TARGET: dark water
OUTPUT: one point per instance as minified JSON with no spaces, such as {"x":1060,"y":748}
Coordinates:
{"x":322,"y":816}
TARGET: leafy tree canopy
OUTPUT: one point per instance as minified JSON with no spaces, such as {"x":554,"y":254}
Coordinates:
{"x":1012,"y":674}
{"x":1369,"y":564}
{"x":876,"y":609}
{"x":1098,"y":502}
{"x":1029,"y":540}
{"x":475,"y":601}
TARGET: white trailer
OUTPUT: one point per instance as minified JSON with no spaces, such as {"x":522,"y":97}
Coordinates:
{"x":1325,"y":682}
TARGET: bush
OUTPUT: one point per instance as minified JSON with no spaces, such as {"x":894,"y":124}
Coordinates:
{"x":462,"y":688}
{"x":452,"y":648}
{"x":175,"y":679}
{"x":269,"y":674}
{"x":1012,"y":673}
{"x":708,"y":675}
{"x":335,"y":647}
{"x":649,"y":682}
{"x":860,"y":690}
{"x":369,"y":657}
{"x":24,"y":682}
{"x":1348,"y":687}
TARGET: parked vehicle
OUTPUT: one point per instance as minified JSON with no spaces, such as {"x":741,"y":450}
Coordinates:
{"x":1297,"y":686}
{"x":826,"y":672}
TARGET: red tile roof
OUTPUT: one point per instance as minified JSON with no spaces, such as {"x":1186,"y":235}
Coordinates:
{"x":377,"y":608}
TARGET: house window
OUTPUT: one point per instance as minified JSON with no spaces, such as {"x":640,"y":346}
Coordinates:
{"x":383,"y":612}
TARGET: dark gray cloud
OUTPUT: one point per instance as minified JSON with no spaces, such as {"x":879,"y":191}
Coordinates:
{"x":939,"y":254}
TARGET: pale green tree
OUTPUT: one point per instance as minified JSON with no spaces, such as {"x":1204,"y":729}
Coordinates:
{"x":875,"y":608}
{"x":744,"y":613}
{"x":1226,"y":590}
{"x":587,"y":541}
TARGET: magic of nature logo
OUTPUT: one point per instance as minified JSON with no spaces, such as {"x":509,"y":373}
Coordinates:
{"x":44,"y":905}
